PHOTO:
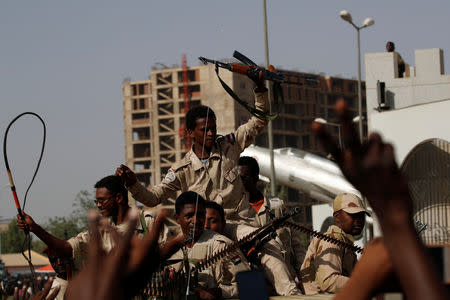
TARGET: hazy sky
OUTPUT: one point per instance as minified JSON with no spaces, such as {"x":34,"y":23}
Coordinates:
{"x":66,"y":60}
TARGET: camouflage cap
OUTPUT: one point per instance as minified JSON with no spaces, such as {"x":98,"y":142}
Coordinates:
{"x":349,"y":203}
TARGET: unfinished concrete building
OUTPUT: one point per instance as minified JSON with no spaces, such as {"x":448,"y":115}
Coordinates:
{"x":154,"y":113}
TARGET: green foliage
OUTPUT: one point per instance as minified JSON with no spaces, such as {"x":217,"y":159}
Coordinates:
{"x":83,"y":202}
{"x":38,"y":245}
{"x":12,"y":239}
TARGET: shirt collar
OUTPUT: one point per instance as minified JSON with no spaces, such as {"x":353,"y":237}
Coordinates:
{"x":337,"y":229}
{"x":195,"y":161}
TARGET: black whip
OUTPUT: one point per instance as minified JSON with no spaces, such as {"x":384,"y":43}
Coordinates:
{"x":27,"y":240}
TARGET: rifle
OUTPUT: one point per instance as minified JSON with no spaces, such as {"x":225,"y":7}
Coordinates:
{"x":265,"y":234}
{"x":251,"y":68}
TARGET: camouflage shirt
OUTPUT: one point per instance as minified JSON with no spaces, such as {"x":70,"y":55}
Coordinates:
{"x":327,"y":266}
{"x":222,"y":273}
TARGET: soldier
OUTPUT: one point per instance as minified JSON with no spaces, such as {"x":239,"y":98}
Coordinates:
{"x":215,"y":217}
{"x":327,"y":266}
{"x":219,"y":279}
{"x":286,"y":251}
{"x":209,"y":167}
{"x":112,"y":202}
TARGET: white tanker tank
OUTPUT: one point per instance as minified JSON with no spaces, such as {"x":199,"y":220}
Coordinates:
{"x":315,"y":176}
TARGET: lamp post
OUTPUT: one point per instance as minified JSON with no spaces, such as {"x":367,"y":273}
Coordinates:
{"x":346,"y":16}
{"x":270,"y":125}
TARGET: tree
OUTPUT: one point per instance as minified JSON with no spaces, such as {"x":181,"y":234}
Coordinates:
{"x":12,"y":239}
{"x":82,"y":204}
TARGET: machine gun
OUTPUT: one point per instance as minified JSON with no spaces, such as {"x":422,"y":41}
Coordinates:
{"x":265,"y":234}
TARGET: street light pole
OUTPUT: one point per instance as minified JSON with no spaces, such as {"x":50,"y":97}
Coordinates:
{"x":360,"y":123}
{"x":269,"y":91}
{"x":346,"y":16}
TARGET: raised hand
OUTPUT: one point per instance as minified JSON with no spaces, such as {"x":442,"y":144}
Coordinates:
{"x":25,"y":223}
{"x":102,"y":274}
{"x":370,"y":166}
{"x":42,"y":295}
{"x":256,"y":75}
{"x":128,"y":177}
{"x":126,"y":269}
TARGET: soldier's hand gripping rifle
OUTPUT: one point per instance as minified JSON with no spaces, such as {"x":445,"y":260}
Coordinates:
{"x":248,"y":68}
{"x":252,"y":71}
{"x":265,"y":234}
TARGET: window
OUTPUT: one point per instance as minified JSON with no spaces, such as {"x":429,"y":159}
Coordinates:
{"x":141,"y":150}
{"x":142,"y":133}
{"x":300,"y":92}
{"x":331,"y":114}
{"x":142,"y":165}
{"x":305,"y":141}
{"x":351,"y":87}
{"x":142,"y":89}
{"x":142,"y":103}
{"x":192,"y":75}
{"x":135,"y":106}
{"x":145,"y":178}
{"x":139,"y":116}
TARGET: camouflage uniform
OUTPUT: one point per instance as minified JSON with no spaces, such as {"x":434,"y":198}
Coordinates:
{"x":282,"y":257}
{"x":327,"y":266}
{"x":80,"y":242}
{"x":220,"y":274}
{"x":216,"y":181}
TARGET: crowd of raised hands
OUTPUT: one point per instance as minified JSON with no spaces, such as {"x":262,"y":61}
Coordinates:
{"x":371,"y":167}
{"x":121,"y":273}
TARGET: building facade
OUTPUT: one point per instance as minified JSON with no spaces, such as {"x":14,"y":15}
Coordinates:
{"x":412,"y":113}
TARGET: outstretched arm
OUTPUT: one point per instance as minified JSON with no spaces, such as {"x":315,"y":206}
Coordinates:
{"x":61,"y":247}
{"x":147,"y":197}
{"x":371,"y":168}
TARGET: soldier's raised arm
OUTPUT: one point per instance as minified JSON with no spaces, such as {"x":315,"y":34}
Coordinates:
{"x":154,"y":196}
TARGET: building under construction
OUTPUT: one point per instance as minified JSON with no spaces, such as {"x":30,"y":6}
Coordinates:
{"x":154,"y":111}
